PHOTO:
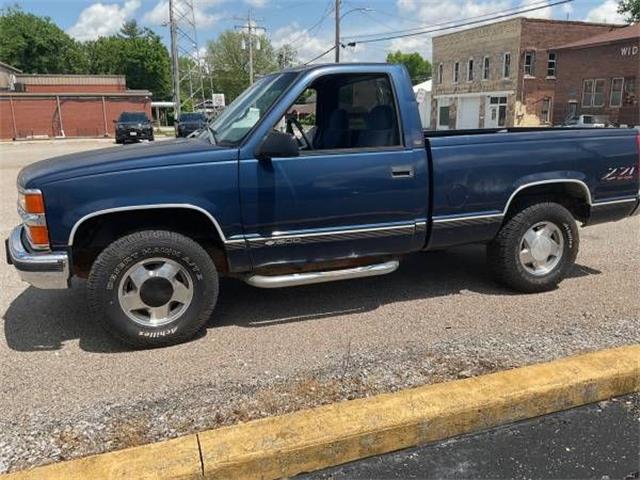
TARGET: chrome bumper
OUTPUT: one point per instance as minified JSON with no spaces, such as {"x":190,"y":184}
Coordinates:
{"x":47,"y":270}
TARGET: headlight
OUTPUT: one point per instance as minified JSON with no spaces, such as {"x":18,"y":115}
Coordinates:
{"x":31,"y":210}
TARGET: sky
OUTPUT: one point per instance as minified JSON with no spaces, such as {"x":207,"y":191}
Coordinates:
{"x":307,"y":25}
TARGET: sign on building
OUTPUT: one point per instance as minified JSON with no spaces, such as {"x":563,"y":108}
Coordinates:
{"x":218,"y":99}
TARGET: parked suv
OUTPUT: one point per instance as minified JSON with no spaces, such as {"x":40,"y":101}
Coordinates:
{"x":189,"y":123}
{"x":132,"y":127}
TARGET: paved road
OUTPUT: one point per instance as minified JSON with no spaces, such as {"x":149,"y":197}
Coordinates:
{"x":599,"y":441}
{"x":67,"y":389}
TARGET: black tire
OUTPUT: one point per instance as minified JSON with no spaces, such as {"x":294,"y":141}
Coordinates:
{"x":114,"y":262}
{"x":503,"y":252}
{"x":119,"y":141}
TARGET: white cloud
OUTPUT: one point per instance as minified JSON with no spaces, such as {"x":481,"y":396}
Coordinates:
{"x":605,"y":12}
{"x":308,"y":46}
{"x":102,"y":19}
{"x":545,"y":13}
{"x":159,"y":14}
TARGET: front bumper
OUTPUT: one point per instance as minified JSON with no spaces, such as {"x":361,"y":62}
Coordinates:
{"x":49,"y":270}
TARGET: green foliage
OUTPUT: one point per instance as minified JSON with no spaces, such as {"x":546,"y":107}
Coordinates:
{"x":139,"y":54}
{"x":37,"y":45}
{"x":419,"y":68}
{"x":230,"y":63}
{"x":630,"y":9}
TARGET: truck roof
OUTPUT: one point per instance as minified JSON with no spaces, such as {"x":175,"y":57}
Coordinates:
{"x":304,"y":68}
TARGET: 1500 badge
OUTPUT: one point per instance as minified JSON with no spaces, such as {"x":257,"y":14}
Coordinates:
{"x":619,"y":173}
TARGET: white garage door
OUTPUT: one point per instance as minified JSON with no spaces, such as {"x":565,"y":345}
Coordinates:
{"x":468,"y":115}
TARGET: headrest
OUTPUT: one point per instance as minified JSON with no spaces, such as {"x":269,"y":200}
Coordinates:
{"x":380,"y":118}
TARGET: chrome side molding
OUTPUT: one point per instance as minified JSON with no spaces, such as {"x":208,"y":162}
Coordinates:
{"x":307,"y":278}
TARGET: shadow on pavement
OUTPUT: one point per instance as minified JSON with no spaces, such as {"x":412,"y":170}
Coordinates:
{"x":40,"y":320}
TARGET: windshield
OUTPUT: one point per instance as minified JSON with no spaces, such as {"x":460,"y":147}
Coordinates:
{"x":191,"y":117}
{"x":246,"y":110}
{"x":133,"y":117}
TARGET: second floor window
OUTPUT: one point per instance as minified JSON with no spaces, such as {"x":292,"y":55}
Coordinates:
{"x":440,"y":72}
{"x":506,"y":66}
{"x":485,"y":68}
{"x":551,"y":65}
{"x":470,"y":70}
{"x":456,"y":72}
{"x":529,"y":63}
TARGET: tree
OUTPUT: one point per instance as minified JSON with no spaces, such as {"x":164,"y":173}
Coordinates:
{"x":138,"y":54}
{"x":37,"y":45}
{"x":631,"y":10}
{"x":230,"y":62}
{"x":130,"y":29}
{"x":419,"y":68}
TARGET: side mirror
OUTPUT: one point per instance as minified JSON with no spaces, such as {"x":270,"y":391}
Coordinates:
{"x":277,"y":144}
{"x":115,"y":121}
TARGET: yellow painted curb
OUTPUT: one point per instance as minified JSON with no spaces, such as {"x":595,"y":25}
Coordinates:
{"x":330,"y":435}
{"x":172,"y":459}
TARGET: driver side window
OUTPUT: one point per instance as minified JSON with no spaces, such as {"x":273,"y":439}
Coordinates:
{"x":345,"y":111}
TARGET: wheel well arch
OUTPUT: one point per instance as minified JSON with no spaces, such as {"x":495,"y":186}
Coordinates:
{"x":574,"y":195}
{"x":94,"y":232}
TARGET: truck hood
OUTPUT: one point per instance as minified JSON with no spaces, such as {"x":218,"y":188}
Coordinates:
{"x":143,"y":155}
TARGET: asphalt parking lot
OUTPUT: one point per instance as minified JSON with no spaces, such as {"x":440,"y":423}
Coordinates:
{"x":67,"y":389}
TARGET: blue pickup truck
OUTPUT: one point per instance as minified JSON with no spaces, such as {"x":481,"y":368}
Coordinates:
{"x":259,"y":196}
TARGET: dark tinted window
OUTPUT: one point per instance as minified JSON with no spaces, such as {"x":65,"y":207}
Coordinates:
{"x":133,"y":117}
{"x":364,"y":115}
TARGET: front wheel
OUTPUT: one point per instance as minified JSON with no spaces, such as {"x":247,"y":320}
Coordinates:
{"x":153,"y":288}
{"x":535,"y":248}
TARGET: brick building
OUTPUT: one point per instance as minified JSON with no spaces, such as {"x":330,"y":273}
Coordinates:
{"x":37,"y":106}
{"x":502,"y":74}
{"x":600,"y":76}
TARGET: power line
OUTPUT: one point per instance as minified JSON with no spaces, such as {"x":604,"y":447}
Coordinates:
{"x":321,"y":55}
{"x":448,"y":25}
{"x":464,"y":24}
{"x":327,"y":11}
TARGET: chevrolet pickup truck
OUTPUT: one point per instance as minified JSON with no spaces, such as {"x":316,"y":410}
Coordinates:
{"x":260,"y":197}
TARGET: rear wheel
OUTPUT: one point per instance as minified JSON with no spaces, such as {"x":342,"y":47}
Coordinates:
{"x":535,"y":248}
{"x":153,"y":288}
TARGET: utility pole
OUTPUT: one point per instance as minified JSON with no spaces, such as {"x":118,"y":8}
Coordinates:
{"x":174,"y":61}
{"x":250,"y":28}
{"x":337,"y":40}
{"x":184,"y":45}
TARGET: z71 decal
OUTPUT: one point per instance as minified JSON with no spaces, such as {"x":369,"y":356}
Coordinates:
{"x":619,"y":174}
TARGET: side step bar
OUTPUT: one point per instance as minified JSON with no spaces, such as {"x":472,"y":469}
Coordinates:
{"x":294,"y":279}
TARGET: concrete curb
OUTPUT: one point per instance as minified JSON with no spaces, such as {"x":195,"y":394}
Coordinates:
{"x":330,"y":435}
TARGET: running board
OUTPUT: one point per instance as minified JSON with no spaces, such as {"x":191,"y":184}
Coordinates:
{"x":307,"y":278}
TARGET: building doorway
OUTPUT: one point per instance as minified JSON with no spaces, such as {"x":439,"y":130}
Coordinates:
{"x":496,"y":115}
{"x":468,"y":115}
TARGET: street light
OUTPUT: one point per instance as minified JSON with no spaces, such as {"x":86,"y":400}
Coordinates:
{"x":339,"y":17}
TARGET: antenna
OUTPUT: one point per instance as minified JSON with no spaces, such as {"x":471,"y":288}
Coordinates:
{"x":184,"y":44}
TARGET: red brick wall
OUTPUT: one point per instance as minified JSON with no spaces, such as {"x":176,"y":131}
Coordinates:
{"x":80,"y":117}
{"x":540,"y":36}
{"x":604,"y":62}
{"x":79,"y":88}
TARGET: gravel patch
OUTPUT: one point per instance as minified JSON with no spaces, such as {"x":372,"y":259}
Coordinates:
{"x":37,"y":439}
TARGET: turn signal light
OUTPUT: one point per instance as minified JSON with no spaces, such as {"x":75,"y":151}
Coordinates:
{"x":33,"y":203}
{"x":38,"y":236}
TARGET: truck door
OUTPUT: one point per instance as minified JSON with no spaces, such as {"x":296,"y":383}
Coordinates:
{"x":355,"y":190}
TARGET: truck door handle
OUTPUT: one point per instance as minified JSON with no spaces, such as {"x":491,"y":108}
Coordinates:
{"x":402,"y":171}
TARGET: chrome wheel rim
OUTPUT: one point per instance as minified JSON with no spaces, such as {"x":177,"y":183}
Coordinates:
{"x":541,"y":248}
{"x":155,"y":292}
